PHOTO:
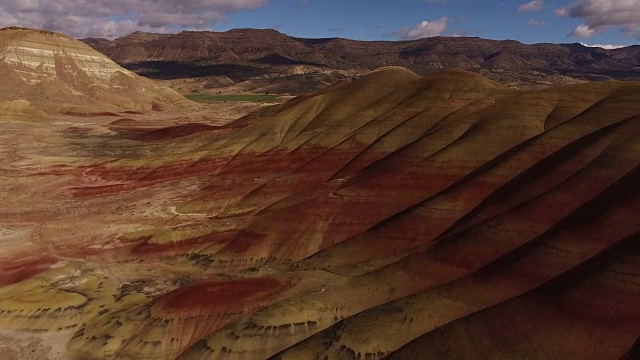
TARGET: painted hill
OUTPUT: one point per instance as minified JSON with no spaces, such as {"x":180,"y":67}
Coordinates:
{"x":244,"y":54}
{"x":52,"y":72}
{"x":396,"y":216}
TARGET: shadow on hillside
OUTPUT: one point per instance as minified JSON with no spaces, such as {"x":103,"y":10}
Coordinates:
{"x":169,"y":70}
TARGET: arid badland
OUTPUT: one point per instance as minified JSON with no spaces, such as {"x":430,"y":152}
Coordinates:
{"x":392,"y":213}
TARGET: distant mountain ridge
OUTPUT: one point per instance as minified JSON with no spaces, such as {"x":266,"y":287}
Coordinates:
{"x":244,"y":54}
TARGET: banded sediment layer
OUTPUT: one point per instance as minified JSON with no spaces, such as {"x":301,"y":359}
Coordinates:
{"x":55,"y":73}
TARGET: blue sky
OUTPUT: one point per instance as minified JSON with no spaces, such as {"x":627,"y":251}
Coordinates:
{"x":615,"y":22}
{"x":381,"y":20}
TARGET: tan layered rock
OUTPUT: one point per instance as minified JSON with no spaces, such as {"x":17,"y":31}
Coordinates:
{"x":56,"y":73}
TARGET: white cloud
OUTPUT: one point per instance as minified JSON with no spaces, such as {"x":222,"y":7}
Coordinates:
{"x":532,"y":5}
{"x":424,"y":29}
{"x":113,"y":18}
{"x":604,"y":46}
{"x":536,"y":22}
{"x":583,"y":31}
{"x":600,"y":15}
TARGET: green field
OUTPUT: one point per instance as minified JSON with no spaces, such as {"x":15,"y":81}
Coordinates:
{"x":239,"y":97}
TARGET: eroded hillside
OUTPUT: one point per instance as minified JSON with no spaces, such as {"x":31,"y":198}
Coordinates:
{"x":44,"y":71}
{"x":396,"y":215}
